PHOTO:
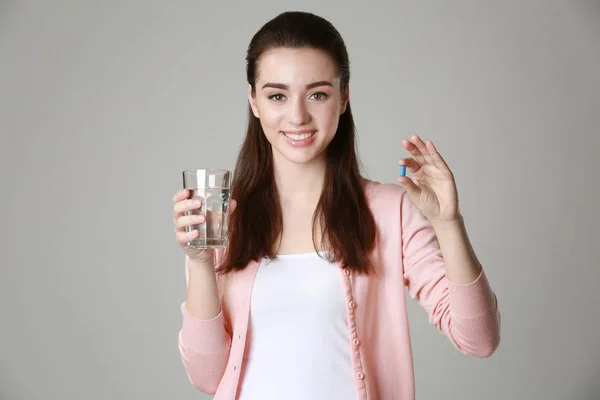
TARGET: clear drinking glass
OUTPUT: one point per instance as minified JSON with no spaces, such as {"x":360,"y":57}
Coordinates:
{"x":211,"y":187}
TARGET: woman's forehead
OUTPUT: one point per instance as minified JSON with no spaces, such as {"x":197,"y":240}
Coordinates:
{"x":296,"y":67}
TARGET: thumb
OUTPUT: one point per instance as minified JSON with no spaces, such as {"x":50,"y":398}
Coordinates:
{"x":232,"y":205}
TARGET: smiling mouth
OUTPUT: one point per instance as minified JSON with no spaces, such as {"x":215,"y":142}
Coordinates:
{"x":299,"y":135}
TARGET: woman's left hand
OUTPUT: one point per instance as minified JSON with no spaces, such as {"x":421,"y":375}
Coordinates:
{"x":432,"y":188}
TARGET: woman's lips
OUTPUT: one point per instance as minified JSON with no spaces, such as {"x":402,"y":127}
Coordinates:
{"x":300,"y":138}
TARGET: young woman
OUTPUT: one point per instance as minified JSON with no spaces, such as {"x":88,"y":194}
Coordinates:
{"x":308,"y":300}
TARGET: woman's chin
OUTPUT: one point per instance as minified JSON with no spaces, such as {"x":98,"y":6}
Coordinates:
{"x":301,"y":155}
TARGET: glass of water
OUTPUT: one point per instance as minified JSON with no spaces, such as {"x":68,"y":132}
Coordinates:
{"x":211,"y":187}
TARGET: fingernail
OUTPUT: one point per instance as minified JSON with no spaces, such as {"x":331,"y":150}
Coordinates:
{"x":197,"y":202}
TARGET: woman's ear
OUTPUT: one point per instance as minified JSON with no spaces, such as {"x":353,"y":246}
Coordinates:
{"x":345,"y":99}
{"x":252,"y":101}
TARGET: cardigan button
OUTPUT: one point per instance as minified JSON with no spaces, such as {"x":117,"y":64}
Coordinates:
{"x":346,"y":271}
{"x":351,"y":304}
{"x":356,"y":342}
{"x":360,"y":376}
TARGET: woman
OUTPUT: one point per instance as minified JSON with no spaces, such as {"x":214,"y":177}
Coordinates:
{"x":308,"y":300}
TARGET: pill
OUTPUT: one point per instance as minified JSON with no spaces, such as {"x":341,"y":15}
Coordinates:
{"x":403,"y":170}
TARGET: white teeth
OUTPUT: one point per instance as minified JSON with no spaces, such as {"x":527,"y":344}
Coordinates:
{"x":298,"y":137}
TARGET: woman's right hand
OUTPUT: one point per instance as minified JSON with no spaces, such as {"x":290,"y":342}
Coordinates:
{"x":183,"y":204}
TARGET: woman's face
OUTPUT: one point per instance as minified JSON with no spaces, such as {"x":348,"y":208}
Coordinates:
{"x":298,"y":101}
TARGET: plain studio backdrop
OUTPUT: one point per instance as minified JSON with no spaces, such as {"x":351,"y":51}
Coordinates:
{"x":103,"y":104}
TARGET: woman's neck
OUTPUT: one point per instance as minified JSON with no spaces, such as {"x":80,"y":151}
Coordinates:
{"x":299,"y":183}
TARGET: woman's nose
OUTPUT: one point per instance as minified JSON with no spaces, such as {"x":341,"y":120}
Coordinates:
{"x":299,"y":114}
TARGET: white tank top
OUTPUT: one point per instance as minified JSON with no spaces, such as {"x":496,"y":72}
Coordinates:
{"x":298,"y":341}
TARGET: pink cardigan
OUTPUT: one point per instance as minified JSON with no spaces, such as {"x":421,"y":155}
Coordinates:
{"x":409,"y":255}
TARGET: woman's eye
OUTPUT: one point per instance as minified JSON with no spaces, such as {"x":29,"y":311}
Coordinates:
{"x":276,"y":97}
{"x":319,"y":96}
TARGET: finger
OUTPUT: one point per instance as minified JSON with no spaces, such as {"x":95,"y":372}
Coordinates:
{"x":188,"y":220}
{"x":181,"y":195}
{"x":409,"y":185}
{"x":422,"y":148}
{"x":411,"y":164}
{"x":416,"y":153}
{"x":437,"y":157}
{"x":232,"y":205}
{"x":186,"y":205}
{"x":184,"y":237}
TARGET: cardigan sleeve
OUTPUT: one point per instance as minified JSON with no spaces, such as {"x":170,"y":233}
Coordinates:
{"x":467,"y":314}
{"x":204,"y":347}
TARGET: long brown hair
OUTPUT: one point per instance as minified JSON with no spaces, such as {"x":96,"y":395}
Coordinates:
{"x":256,"y":224}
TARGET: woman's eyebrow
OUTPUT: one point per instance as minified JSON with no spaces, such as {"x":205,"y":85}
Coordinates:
{"x":286,"y":87}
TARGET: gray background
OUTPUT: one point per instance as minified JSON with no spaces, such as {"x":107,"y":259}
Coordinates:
{"x":102,"y":104}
